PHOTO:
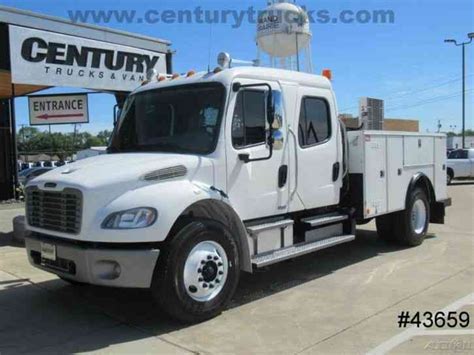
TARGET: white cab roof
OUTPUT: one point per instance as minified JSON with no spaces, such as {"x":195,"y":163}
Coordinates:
{"x":227,"y":76}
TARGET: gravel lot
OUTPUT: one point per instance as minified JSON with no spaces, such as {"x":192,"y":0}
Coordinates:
{"x":341,"y":300}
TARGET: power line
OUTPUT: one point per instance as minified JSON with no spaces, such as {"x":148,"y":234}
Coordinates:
{"x":427,"y":101}
{"x":411,"y":93}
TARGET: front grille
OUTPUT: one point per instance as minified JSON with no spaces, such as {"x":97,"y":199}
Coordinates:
{"x":54,"y":210}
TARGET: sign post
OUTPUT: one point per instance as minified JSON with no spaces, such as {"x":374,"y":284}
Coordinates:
{"x":58,"y":109}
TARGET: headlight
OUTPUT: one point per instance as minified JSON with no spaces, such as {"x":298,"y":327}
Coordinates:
{"x":134,"y":218}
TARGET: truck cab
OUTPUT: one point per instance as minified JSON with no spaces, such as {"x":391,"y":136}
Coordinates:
{"x":211,"y":174}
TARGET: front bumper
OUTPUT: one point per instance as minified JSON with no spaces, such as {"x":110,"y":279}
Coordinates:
{"x":105,"y":265}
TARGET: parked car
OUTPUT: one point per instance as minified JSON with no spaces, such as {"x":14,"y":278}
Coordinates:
{"x":51,"y":164}
{"x":61,"y":163}
{"x":26,"y":175}
{"x":25,"y":166}
{"x":460,"y":164}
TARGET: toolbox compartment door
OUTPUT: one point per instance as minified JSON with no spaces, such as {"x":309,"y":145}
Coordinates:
{"x":375,"y":179}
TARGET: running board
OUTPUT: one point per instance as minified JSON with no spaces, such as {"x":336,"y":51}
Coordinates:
{"x":323,"y":220}
{"x":298,"y":250}
{"x":254,"y":230}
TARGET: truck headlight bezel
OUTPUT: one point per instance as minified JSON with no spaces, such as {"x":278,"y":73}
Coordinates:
{"x":134,"y":218}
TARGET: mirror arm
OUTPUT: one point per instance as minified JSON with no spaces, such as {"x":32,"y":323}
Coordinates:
{"x":245,"y":157}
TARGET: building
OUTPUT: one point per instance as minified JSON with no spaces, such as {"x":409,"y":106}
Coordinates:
{"x":371,"y":112}
{"x":388,"y":124}
{"x":455,"y":142}
{"x":39,"y":52}
{"x":397,"y":124}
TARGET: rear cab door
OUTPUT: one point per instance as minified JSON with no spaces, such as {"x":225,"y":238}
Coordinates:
{"x":319,"y":157}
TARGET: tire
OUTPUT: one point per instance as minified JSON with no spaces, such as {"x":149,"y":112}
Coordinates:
{"x":385,"y":226}
{"x":449,"y":176}
{"x":411,"y":224}
{"x":197,"y":272}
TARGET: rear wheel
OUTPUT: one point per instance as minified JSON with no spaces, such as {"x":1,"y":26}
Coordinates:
{"x":198,"y":272}
{"x":411,"y":224}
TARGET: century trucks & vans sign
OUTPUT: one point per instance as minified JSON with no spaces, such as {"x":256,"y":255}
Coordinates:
{"x":58,"y":109}
{"x":53,"y":59}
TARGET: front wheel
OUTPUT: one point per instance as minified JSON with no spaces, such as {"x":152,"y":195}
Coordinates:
{"x":198,"y":272}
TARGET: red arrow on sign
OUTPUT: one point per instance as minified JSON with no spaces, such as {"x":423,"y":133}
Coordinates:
{"x":46,"y":116}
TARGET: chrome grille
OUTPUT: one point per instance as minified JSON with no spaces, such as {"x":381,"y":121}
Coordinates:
{"x":54,"y":210}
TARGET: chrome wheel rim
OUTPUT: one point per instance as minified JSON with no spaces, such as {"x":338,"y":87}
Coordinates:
{"x":418,"y":216}
{"x":205,"y":271}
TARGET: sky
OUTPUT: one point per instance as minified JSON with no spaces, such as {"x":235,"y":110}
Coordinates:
{"x":405,"y":62}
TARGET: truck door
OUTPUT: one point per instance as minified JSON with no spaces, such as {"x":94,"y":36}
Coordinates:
{"x":257,"y":188}
{"x":462,"y":163}
{"x":319,"y":165}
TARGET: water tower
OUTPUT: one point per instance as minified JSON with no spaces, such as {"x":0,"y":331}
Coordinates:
{"x":284,"y":37}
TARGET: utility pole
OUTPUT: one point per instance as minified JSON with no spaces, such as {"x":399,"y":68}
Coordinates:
{"x":463,"y":45}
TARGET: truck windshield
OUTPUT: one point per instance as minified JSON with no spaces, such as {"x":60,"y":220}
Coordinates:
{"x":181,"y":119}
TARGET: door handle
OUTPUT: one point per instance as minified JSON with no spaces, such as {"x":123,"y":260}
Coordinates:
{"x":282,"y":175}
{"x":335,"y":171}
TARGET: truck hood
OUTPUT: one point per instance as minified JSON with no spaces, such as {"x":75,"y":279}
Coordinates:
{"x":104,"y":179}
{"x":113,"y":169}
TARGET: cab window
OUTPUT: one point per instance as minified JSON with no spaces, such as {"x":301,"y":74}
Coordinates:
{"x":458,"y":154}
{"x":248,"y":121}
{"x":314,"y":122}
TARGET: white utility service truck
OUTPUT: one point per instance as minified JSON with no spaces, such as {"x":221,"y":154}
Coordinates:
{"x":211,"y":174}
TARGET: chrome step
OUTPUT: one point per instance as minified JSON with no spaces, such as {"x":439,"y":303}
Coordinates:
{"x":253,"y":230}
{"x":298,"y":249}
{"x":323,"y":220}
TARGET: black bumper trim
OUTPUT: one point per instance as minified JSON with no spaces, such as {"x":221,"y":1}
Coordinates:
{"x":83,"y":244}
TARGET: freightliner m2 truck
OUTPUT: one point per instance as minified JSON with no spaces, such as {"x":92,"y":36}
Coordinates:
{"x":212,"y":174}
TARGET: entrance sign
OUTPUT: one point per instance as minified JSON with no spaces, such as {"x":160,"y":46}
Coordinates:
{"x":58,"y":109}
{"x":52,"y":59}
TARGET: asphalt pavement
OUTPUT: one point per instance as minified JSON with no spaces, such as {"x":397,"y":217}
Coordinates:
{"x":346,"y":299}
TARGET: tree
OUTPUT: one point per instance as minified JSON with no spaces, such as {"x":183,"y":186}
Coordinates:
{"x":104,"y":136}
{"x":94,"y":141}
{"x":32,"y":141}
